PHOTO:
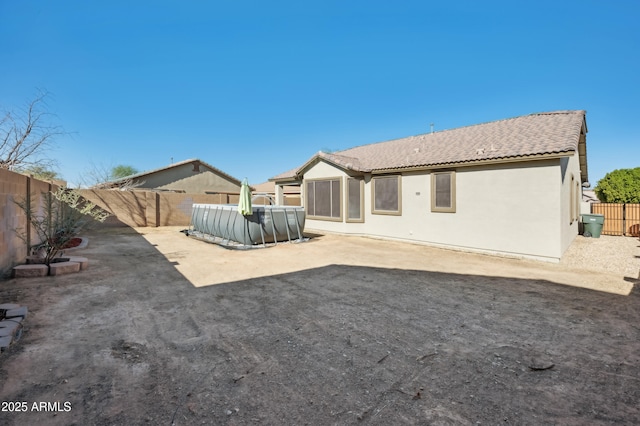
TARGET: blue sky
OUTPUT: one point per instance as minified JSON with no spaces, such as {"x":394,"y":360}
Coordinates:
{"x":256,"y":88}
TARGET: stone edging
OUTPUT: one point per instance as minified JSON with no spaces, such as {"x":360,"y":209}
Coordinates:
{"x":34,"y":269}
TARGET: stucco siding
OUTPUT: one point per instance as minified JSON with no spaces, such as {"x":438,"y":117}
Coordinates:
{"x":323,"y":170}
{"x":495,"y":211}
{"x":164,"y":177}
{"x":203,"y":182}
{"x":511,"y":209}
{"x":570,"y":175}
{"x":185,"y":178}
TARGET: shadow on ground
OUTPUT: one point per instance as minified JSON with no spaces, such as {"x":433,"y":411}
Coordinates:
{"x":131,"y":342}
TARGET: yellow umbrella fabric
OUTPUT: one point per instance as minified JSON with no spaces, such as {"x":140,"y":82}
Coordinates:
{"x":244,"y":205}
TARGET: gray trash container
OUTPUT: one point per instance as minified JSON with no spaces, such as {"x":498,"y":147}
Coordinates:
{"x":592,"y":225}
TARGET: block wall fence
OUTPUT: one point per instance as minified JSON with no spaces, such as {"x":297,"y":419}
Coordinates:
{"x":128,"y":208}
{"x":17,"y":187}
{"x":150,"y":208}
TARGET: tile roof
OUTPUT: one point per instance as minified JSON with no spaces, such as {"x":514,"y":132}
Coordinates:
{"x":270,"y":187}
{"x":526,"y":136}
{"x":289,"y":174}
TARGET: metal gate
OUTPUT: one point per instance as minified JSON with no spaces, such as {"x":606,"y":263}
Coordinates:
{"x":619,"y":219}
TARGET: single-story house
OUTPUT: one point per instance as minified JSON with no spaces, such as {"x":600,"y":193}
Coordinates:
{"x":267,"y":191}
{"x":191,"y":176}
{"x":508,"y":187}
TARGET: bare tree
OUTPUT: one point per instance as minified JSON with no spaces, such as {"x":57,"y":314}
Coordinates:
{"x":95,"y":175}
{"x":26,"y":133}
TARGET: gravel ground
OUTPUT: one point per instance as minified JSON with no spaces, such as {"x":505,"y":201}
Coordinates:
{"x":618,"y":255}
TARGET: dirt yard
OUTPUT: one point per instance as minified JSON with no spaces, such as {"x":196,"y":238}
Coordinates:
{"x":337,"y":330}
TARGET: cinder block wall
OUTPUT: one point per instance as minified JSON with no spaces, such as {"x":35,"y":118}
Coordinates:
{"x":129,"y":207}
{"x":16,"y":187}
{"x":133,"y":208}
{"x":148,"y":208}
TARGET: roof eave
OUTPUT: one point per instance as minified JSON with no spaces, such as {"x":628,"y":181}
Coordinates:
{"x":582,"y":153}
{"x":481,"y":162}
{"x":314,"y":160}
{"x":286,"y":180}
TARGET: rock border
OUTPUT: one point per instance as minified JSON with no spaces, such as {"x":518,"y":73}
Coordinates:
{"x":62,"y":265}
{"x":11,"y":326}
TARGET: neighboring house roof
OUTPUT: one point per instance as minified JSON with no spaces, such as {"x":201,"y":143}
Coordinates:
{"x":288,"y":175}
{"x":196,"y":163}
{"x":535,"y":135}
{"x":265,"y":187}
{"x":270,"y":187}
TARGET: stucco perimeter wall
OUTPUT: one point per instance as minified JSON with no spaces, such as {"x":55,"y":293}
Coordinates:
{"x":147,"y":208}
{"x":512,"y":209}
{"x":16,"y":187}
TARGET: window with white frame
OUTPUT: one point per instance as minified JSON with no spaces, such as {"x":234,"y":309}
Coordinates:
{"x":386,"y":195}
{"x":443,"y":192}
{"x":323,"y":199}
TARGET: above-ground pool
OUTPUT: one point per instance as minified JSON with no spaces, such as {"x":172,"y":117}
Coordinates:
{"x":223,"y":224}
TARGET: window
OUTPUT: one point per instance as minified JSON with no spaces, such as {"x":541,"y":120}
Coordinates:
{"x":576,"y":196}
{"x":387,"y":197}
{"x":578,"y":199}
{"x":323,"y":199}
{"x":443,"y":192}
{"x":572,"y":197}
{"x":355,"y":200}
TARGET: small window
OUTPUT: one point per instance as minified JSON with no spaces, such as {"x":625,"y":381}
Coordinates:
{"x":578,"y":199}
{"x":572,"y":197}
{"x":355,"y":200}
{"x":443,"y":192}
{"x":387,"y":197}
{"x":576,"y":196}
{"x":324,"y":199}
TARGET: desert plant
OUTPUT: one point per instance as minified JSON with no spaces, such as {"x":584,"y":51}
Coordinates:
{"x":62,"y":215}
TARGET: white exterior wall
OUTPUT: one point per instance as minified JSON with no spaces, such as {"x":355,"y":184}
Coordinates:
{"x":514,"y":209}
{"x":569,"y":228}
{"x":322,"y":170}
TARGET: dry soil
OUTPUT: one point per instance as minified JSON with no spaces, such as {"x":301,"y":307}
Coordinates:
{"x":336,"y":330}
